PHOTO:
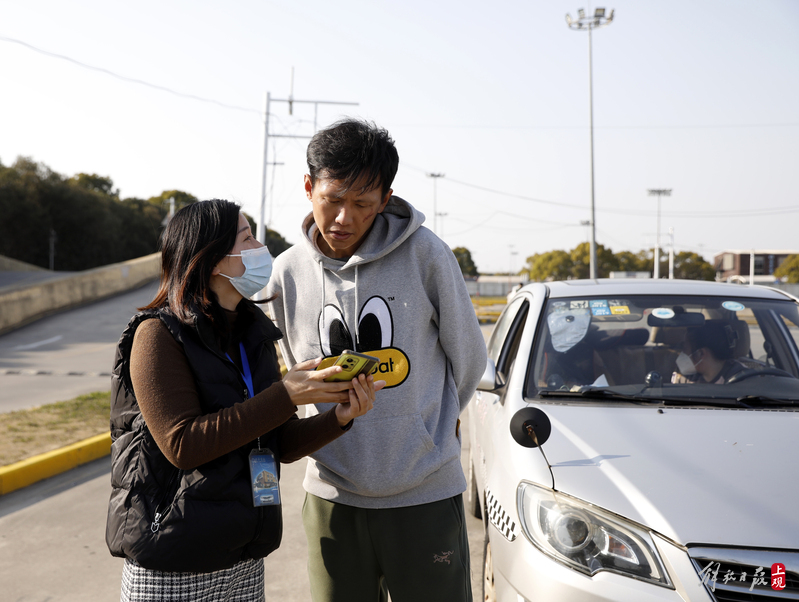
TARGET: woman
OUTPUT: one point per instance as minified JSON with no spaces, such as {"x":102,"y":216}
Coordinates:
{"x":707,"y":355}
{"x":197,"y":397}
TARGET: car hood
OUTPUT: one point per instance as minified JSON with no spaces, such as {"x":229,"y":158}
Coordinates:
{"x":710,"y":476}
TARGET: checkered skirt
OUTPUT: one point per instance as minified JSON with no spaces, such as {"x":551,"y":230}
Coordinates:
{"x":243,"y":582}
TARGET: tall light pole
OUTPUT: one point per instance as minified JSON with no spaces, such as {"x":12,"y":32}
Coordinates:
{"x":600,"y":19}
{"x":658,"y":192}
{"x":435,"y":177}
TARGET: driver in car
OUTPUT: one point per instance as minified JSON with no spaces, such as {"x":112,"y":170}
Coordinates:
{"x":707,"y":355}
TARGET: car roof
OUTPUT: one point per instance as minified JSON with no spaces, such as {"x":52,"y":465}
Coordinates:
{"x":645,"y":286}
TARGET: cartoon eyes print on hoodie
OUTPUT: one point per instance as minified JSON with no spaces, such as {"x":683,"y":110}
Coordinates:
{"x":334,"y":335}
{"x":375,"y":327}
{"x":376,"y":337}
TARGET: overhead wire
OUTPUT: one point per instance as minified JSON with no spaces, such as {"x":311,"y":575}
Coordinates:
{"x":125,"y":78}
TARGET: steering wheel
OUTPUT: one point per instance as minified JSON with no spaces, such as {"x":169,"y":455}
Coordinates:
{"x":750,"y":372}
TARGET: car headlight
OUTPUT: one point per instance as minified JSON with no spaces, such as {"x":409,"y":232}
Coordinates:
{"x":586,"y":538}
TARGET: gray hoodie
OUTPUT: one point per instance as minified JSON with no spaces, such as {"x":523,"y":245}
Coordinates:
{"x":402,"y":298}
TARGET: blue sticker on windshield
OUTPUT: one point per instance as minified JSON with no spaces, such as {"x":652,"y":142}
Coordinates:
{"x":664,"y":313}
{"x":733,"y":305}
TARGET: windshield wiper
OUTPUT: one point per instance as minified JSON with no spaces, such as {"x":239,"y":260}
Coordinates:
{"x":766,"y":400}
{"x":596,"y":393}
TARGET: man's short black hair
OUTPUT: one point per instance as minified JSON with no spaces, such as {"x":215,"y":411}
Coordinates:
{"x":350,"y":150}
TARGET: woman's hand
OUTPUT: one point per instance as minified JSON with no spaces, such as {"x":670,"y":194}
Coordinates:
{"x":306,"y":385}
{"x":361,"y":398}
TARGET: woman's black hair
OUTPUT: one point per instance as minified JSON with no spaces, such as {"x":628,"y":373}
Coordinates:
{"x":196,"y":239}
{"x":714,"y":335}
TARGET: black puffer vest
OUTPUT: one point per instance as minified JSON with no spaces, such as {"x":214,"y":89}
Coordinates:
{"x":206,"y":518}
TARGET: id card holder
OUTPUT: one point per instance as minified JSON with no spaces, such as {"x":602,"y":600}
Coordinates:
{"x":263,"y":478}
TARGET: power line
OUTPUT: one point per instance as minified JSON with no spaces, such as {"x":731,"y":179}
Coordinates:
{"x":721,"y":126}
{"x":128,"y":79}
{"x":726,"y":213}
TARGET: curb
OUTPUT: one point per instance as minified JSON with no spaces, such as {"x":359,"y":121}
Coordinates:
{"x":26,"y":472}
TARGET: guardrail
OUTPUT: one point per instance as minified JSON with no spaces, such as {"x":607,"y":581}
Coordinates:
{"x":25,"y":303}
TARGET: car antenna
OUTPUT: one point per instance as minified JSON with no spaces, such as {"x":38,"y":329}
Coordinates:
{"x":531,"y":427}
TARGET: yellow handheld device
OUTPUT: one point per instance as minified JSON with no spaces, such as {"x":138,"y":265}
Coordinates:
{"x":353,"y":364}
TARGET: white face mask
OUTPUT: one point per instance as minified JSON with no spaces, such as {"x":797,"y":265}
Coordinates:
{"x":257,"y":271}
{"x":685,"y":364}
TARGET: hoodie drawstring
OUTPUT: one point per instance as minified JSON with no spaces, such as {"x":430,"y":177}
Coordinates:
{"x":324,"y":299}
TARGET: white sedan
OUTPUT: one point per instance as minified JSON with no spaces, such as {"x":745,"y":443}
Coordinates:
{"x":637,"y":440}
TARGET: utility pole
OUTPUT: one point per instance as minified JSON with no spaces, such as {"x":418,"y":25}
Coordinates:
{"x":671,"y":253}
{"x":262,"y":221}
{"x":53,"y":238}
{"x":658,"y":192}
{"x":600,"y":19}
{"x":435,"y":177}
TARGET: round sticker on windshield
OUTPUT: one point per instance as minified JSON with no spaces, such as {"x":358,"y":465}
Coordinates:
{"x":733,"y":305}
{"x":664,"y":313}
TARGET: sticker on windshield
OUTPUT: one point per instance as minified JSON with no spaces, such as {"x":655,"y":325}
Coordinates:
{"x":600,"y":311}
{"x":664,"y":313}
{"x":578,"y":304}
{"x":619,"y":309}
{"x":733,"y":305}
{"x":598,"y":303}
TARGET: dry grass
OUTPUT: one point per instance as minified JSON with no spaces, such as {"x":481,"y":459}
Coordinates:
{"x":481,"y":301}
{"x":26,"y":433}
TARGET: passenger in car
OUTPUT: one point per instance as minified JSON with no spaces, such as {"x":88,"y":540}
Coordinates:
{"x":707,"y":355}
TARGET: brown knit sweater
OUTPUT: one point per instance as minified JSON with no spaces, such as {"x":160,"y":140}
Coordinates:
{"x":164,"y":387}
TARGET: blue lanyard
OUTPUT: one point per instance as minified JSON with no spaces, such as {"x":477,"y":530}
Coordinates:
{"x":245,"y":369}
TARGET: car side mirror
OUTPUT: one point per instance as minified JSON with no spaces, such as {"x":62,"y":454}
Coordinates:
{"x":491,"y":380}
{"x":530,"y":427}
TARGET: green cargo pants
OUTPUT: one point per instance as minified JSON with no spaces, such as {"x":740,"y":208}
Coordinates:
{"x":420,"y":553}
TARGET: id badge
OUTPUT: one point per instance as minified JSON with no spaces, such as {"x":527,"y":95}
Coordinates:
{"x":263,"y":478}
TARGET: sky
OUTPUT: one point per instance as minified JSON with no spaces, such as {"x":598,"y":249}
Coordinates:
{"x":696,"y":96}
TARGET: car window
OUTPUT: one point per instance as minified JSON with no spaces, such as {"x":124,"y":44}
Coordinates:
{"x":512,"y":340}
{"x":502,"y":327}
{"x":663,"y":345}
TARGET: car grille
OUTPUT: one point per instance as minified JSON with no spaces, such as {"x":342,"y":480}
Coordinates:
{"x":728,"y":573}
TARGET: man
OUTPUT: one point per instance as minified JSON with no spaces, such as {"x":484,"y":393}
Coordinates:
{"x":385,"y":507}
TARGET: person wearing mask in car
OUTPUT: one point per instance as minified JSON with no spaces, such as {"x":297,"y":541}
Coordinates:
{"x":707,"y":355}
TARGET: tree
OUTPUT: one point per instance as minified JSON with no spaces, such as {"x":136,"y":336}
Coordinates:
{"x":464,"y":257}
{"x":634,"y":262}
{"x":181,"y":199}
{"x":552,"y":265}
{"x":581,"y":259}
{"x":95,"y":183}
{"x":691,"y":266}
{"x":789,"y":269}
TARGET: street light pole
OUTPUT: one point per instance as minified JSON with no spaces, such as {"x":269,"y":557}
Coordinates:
{"x":590,"y":23}
{"x":435,"y":177}
{"x":658,"y":192}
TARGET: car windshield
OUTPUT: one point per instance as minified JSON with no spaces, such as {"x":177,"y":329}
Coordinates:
{"x":684,"y":349}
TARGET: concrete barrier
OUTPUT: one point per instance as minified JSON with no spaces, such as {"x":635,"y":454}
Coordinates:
{"x":26,"y":472}
{"x":22,"y":304}
{"x":14,"y":265}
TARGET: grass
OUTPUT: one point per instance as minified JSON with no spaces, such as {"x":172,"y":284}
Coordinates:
{"x":26,"y":433}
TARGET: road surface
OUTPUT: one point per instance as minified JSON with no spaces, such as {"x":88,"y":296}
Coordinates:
{"x":65,"y":355}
